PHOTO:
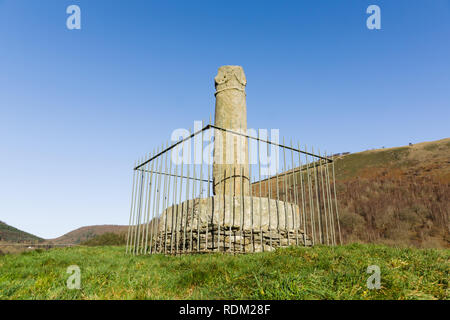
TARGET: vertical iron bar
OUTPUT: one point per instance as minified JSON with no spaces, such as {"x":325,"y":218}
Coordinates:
{"x":200,"y":197}
{"x":135,"y":210}
{"x":278,"y":196}
{"x":324,"y":198}
{"x":148,"y":196}
{"x":180,"y":204}
{"x":163,"y":200}
{"x":174,"y":204}
{"x":144,"y":208}
{"x":311,"y":202}
{"x":155,"y":199}
{"x":167,"y":195}
{"x":188,"y":182}
{"x":285,"y":170}
{"x":303,"y":196}
{"x":316,"y":182}
{"x":294,"y":212}
{"x":193,"y":198}
{"x":138,"y":215}
{"x":231,"y":208}
{"x":211,"y":197}
{"x":260,"y":193}
{"x":330,"y":203}
{"x":336,"y":205}
{"x":269,"y":182}
{"x":131,"y":209}
{"x":250,"y":190}
{"x":224,"y":210}
{"x":158,"y":199}
{"x":211,"y":207}
{"x":242,"y":210}
{"x":149,"y":205}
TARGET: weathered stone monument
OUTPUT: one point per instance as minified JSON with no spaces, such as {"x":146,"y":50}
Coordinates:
{"x":230,"y":150}
{"x":237,"y":216}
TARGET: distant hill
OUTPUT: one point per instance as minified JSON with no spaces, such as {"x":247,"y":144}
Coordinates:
{"x":86,"y":233}
{"x":11,"y":234}
{"x":395,"y":196}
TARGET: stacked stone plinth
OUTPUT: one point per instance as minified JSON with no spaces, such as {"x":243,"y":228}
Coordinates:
{"x":222,"y":223}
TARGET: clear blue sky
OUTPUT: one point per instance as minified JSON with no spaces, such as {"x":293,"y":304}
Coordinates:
{"x":77,"y":107}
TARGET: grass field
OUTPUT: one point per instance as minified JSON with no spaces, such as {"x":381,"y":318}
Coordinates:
{"x":291,"y":273}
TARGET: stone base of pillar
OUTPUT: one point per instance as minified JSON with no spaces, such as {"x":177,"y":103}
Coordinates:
{"x":238,"y":224}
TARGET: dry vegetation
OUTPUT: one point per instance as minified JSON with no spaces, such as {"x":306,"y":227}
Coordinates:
{"x":394,"y":196}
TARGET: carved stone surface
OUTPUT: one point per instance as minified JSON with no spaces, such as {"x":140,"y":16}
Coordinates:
{"x":223,"y":218}
{"x":230,"y":150}
{"x":232,"y":211}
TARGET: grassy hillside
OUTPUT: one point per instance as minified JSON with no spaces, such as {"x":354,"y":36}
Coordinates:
{"x":86,"y":233}
{"x":395,"y":196}
{"x":291,"y":273}
{"x":11,"y":234}
{"x":107,"y":239}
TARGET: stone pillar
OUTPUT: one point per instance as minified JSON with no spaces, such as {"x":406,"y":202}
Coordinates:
{"x":230,"y":150}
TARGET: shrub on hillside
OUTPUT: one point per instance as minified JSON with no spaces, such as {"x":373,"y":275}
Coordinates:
{"x":107,"y":239}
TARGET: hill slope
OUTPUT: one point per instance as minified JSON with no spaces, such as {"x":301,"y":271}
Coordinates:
{"x":86,"y":233}
{"x":395,"y":196}
{"x":11,"y":234}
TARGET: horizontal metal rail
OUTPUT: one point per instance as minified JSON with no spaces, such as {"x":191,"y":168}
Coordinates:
{"x":209,"y":126}
{"x":174,"y":175}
